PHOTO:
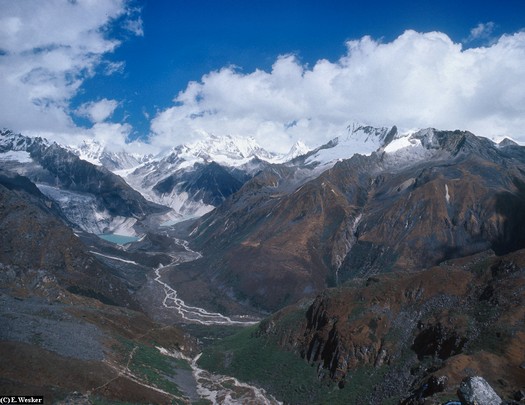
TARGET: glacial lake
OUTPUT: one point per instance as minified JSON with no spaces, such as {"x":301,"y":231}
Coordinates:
{"x":118,"y":239}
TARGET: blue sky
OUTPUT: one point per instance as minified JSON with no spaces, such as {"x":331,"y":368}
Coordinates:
{"x":132,"y":79}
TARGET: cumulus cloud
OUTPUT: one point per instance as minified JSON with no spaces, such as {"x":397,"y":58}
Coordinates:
{"x":97,"y":111}
{"x":48,"y":48}
{"x":115,"y":138}
{"x":417,"y":80}
{"x":112,"y":135}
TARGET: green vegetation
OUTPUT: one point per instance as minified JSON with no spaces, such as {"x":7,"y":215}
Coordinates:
{"x":147,"y":363}
{"x":259,"y":360}
{"x":209,"y":334}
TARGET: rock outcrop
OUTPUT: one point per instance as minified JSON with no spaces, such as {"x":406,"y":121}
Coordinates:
{"x":477,"y":391}
{"x":423,"y":332}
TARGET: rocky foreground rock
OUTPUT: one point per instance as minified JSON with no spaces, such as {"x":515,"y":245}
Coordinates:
{"x":475,"y":390}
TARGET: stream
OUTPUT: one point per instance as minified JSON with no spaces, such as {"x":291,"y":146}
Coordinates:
{"x":218,"y":389}
{"x":221,"y":389}
{"x":187,"y":312}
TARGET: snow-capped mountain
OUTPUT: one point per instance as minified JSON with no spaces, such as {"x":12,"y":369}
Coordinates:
{"x":98,"y":154}
{"x":194,"y":178}
{"x":183,"y":178}
{"x":230,"y":151}
{"x":359,"y":139}
{"x":191,"y":179}
{"x":298,"y":149}
{"x":396,"y":149}
{"x":90,"y":196}
{"x":225,"y":150}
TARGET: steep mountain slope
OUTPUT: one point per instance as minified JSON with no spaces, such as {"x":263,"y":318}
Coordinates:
{"x":90,"y":196}
{"x":33,"y":237}
{"x":209,"y":183}
{"x":419,"y":200}
{"x":410,"y":337}
{"x":374,"y":226}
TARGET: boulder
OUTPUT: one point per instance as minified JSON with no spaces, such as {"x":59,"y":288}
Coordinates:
{"x":477,"y":391}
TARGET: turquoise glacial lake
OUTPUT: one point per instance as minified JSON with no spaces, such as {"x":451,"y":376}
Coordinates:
{"x":118,"y":239}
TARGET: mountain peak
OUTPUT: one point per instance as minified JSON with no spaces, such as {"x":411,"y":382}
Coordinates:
{"x":224,"y":149}
{"x":18,"y":142}
{"x":97,"y":153}
{"x":299,"y":148}
{"x":89,"y":150}
{"x":359,"y":139}
{"x":507,"y":142}
{"x":367,"y":133}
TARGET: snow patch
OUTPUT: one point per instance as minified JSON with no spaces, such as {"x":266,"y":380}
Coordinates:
{"x":362,"y":140}
{"x":16,"y":156}
{"x":409,"y":148}
{"x":401,"y":143}
{"x":96,"y":153}
{"x":89,"y":150}
{"x":123,"y":226}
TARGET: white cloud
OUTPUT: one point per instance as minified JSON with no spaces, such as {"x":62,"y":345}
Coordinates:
{"x":417,"y":80}
{"x":481,"y":31}
{"x":135,"y":26}
{"x":115,"y":137}
{"x":98,"y":111}
{"x":47,"y":49}
{"x":113,"y":67}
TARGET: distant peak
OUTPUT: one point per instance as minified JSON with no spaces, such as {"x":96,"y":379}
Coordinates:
{"x":368,"y":133}
{"x":299,"y":148}
{"x":230,"y":150}
{"x":15,"y":141}
{"x":507,"y":142}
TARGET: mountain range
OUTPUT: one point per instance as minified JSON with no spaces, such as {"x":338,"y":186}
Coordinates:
{"x":358,"y":254}
{"x":191,"y":179}
{"x":416,"y":201}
